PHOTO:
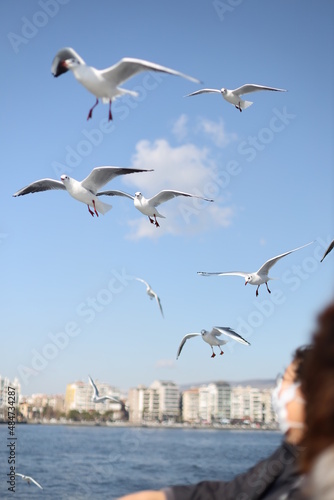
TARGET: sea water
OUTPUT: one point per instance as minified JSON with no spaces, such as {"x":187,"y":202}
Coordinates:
{"x":93,"y":462}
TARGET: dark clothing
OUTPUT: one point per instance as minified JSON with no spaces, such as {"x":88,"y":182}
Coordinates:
{"x":275,"y":478}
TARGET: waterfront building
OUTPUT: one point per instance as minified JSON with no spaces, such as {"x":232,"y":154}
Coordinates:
{"x":159,"y":402}
{"x":190,"y":405}
{"x":5,"y":383}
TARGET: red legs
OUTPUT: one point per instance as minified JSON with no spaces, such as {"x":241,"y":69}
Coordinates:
{"x":154,"y":221}
{"x":90,"y":211}
{"x":257,"y":290}
{"x":221,"y":352}
{"x":90,"y":114}
{"x":268,"y":288}
{"x":239,"y":107}
{"x":213,"y":354}
{"x":110,"y":115}
{"x":97,"y":214}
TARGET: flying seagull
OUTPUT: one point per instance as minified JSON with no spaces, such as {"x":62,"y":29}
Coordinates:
{"x":28,"y":479}
{"x":84,"y":191}
{"x":261,"y":276}
{"x":233,"y":96}
{"x":213,"y":339}
{"x":148,"y":206}
{"x":101,"y":399}
{"x":330,"y":247}
{"x":104,"y":84}
{"x":151,"y":294}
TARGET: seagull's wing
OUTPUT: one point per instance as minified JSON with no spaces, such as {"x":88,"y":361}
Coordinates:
{"x":250,"y":87}
{"x":218,"y":330}
{"x":18,"y":474}
{"x":184,"y":340}
{"x":269,"y":264}
{"x":115,"y":192}
{"x":112,"y":399}
{"x":204,"y":91}
{"x":96,"y":392}
{"x":35,"y":482}
{"x":231,"y":273}
{"x":99,"y":176}
{"x":41,"y":185}
{"x":331,"y":246}
{"x":159,"y":303}
{"x":168,"y":194}
{"x":66,"y":53}
{"x":128,"y":67}
{"x":143,"y":281}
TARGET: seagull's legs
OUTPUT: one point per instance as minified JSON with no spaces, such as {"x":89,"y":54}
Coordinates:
{"x":213,"y":354}
{"x":257,"y":290}
{"x":238,"y":107}
{"x":110,"y":115}
{"x":156,"y":222}
{"x":90,"y":114}
{"x":268,"y":288}
{"x":221,"y":352}
{"x":151,"y":220}
{"x":90,"y":211}
{"x":97,"y":214}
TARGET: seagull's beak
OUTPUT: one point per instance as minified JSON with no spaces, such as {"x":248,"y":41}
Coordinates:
{"x":246,"y":283}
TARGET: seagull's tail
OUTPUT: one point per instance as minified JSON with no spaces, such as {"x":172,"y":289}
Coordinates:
{"x":245,"y":104}
{"x":102,"y":207}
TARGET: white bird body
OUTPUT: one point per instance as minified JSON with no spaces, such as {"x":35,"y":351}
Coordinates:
{"x":85,"y":190}
{"x":105,"y":83}
{"x":151,"y":293}
{"x":260,"y":277}
{"x":96,"y":398}
{"x":234,"y":96}
{"x":212,"y":338}
{"x":28,"y":479}
{"x":148,"y":206}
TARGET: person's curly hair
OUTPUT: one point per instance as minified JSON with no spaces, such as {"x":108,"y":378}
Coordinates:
{"x":317,"y":384}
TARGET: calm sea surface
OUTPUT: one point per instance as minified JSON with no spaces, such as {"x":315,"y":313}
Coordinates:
{"x":76,"y":462}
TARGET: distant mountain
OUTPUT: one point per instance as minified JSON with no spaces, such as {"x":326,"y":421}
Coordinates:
{"x":258,"y":383}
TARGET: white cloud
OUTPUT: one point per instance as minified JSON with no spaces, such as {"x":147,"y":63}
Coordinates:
{"x":216,"y":132}
{"x":180,"y":129}
{"x":184,"y":168}
{"x":165,"y":363}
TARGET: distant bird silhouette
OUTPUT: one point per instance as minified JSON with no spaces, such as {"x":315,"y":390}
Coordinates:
{"x":96,"y":398}
{"x":28,"y":479}
{"x":151,"y":294}
{"x":233,"y":96}
{"x":261,"y":276}
{"x":212,"y":338}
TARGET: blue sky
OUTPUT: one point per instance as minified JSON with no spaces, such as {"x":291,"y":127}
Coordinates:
{"x":70,"y":305}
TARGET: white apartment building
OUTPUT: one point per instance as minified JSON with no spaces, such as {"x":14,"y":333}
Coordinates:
{"x":251,"y":403}
{"x":160,"y":401}
{"x":214,"y":402}
{"x":78,"y":396}
{"x":190,"y":405}
{"x":4,"y":384}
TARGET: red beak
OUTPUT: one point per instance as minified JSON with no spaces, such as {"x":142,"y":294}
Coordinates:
{"x":246,"y":283}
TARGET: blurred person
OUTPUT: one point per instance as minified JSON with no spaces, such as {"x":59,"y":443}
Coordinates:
{"x":317,"y":378}
{"x":276,"y":477}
